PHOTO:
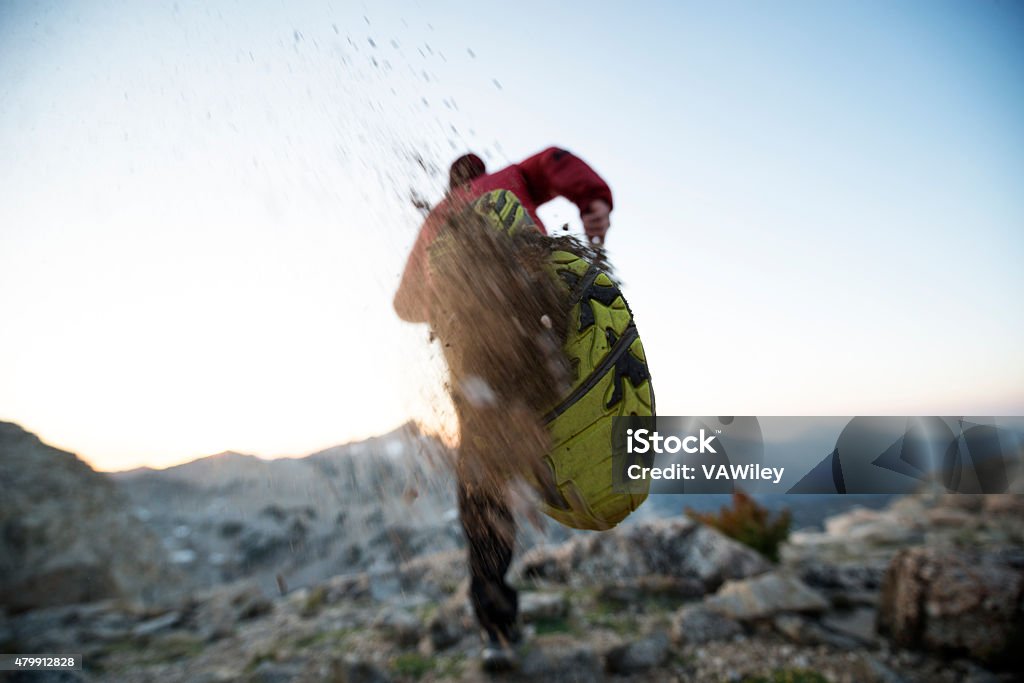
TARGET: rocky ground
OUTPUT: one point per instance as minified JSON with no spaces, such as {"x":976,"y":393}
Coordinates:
{"x":929,"y":589}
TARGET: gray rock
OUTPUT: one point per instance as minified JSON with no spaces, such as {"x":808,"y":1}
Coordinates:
{"x":696,"y":624}
{"x":272,"y":672}
{"x":45,"y":677}
{"x":445,"y":631}
{"x":534,"y":606}
{"x":679,"y":547}
{"x":400,"y":626}
{"x":765,"y":596}
{"x":638,"y":655}
{"x":215,"y":613}
{"x":858,"y":624}
{"x":347,"y":587}
{"x":876,"y":527}
{"x":632,"y":591}
{"x":955,"y":601}
{"x":1009,"y":505}
{"x":872,"y":670}
{"x":59,"y":629}
{"x":805,"y":632}
{"x":156,"y":624}
{"x":353,"y":670}
{"x":849,"y":578}
{"x":6,"y":632}
{"x":791,"y":626}
{"x":972,"y":673}
{"x":561,"y":660}
{"x":67,"y":534}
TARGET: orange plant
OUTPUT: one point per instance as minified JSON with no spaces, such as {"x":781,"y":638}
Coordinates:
{"x":749,"y":523}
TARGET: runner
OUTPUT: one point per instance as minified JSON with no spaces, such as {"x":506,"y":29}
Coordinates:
{"x":500,"y":430}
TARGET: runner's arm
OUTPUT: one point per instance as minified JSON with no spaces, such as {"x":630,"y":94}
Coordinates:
{"x":556,"y":172}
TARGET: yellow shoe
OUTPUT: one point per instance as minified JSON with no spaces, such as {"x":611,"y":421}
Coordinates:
{"x":611,"y":380}
{"x":610,"y":377}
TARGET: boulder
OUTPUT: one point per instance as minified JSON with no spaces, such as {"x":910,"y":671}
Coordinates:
{"x":67,"y":534}
{"x":156,"y":624}
{"x":876,"y":527}
{"x":668,"y":588}
{"x":446,"y":628}
{"x":846,"y":583}
{"x":400,"y":626}
{"x":955,"y":601}
{"x":557,"y":659}
{"x":353,"y":670}
{"x":535,"y":606}
{"x":696,"y":624}
{"x":803,"y":631}
{"x":680,"y":548}
{"x":215,"y":613}
{"x":765,"y":596}
{"x":638,"y":655}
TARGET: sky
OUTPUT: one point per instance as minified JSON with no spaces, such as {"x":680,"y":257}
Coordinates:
{"x":205,"y":208}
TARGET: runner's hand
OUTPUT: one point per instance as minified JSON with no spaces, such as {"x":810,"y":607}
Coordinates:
{"x":596,"y":221}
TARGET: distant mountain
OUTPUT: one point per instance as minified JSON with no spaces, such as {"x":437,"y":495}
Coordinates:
{"x":290,"y":522}
{"x":192,"y":468}
{"x":66,"y":531}
{"x":295,"y":521}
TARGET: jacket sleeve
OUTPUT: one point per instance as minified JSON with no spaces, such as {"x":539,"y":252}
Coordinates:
{"x":556,"y":172}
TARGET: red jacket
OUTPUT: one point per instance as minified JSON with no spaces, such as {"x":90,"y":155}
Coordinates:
{"x":537,"y":180}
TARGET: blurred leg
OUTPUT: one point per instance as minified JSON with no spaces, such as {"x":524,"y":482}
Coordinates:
{"x":490,"y":534}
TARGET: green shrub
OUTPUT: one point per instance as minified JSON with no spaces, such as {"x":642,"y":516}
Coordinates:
{"x":412,"y":664}
{"x":749,"y":523}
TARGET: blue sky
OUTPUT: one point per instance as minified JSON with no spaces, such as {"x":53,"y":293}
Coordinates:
{"x":204,"y":215}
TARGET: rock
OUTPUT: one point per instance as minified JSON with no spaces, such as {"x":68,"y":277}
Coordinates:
{"x":952,"y":517}
{"x":633,"y":591}
{"x":560,"y":660}
{"x":955,"y":601}
{"x":400,"y":626}
{"x":272,"y":672}
{"x":215,"y":613}
{"x":216,"y":675}
{"x":791,"y":626}
{"x":1010,"y":505}
{"x":353,"y":670}
{"x":6,"y":633}
{"x":764,"y":596}
{"x":45,"y":677}
{"x":972,"y":673}
{"x":67,"y":535}
{"x":872,"y":670}
{"x":347,"y":587}
{"x":445,"y":631}
{"x":638,"y":655}
{"x":679,"y":547}
{"x":535,"y":606}
{"x":60,"y":629}
{"x":156,"y":624}
{"x":858,"y":624}
{"x":250,"y":602}
{"x":877,"y":527}
{"x":805,"y":632}
{"x":696,"y":624}
{"x":847,"y":584}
